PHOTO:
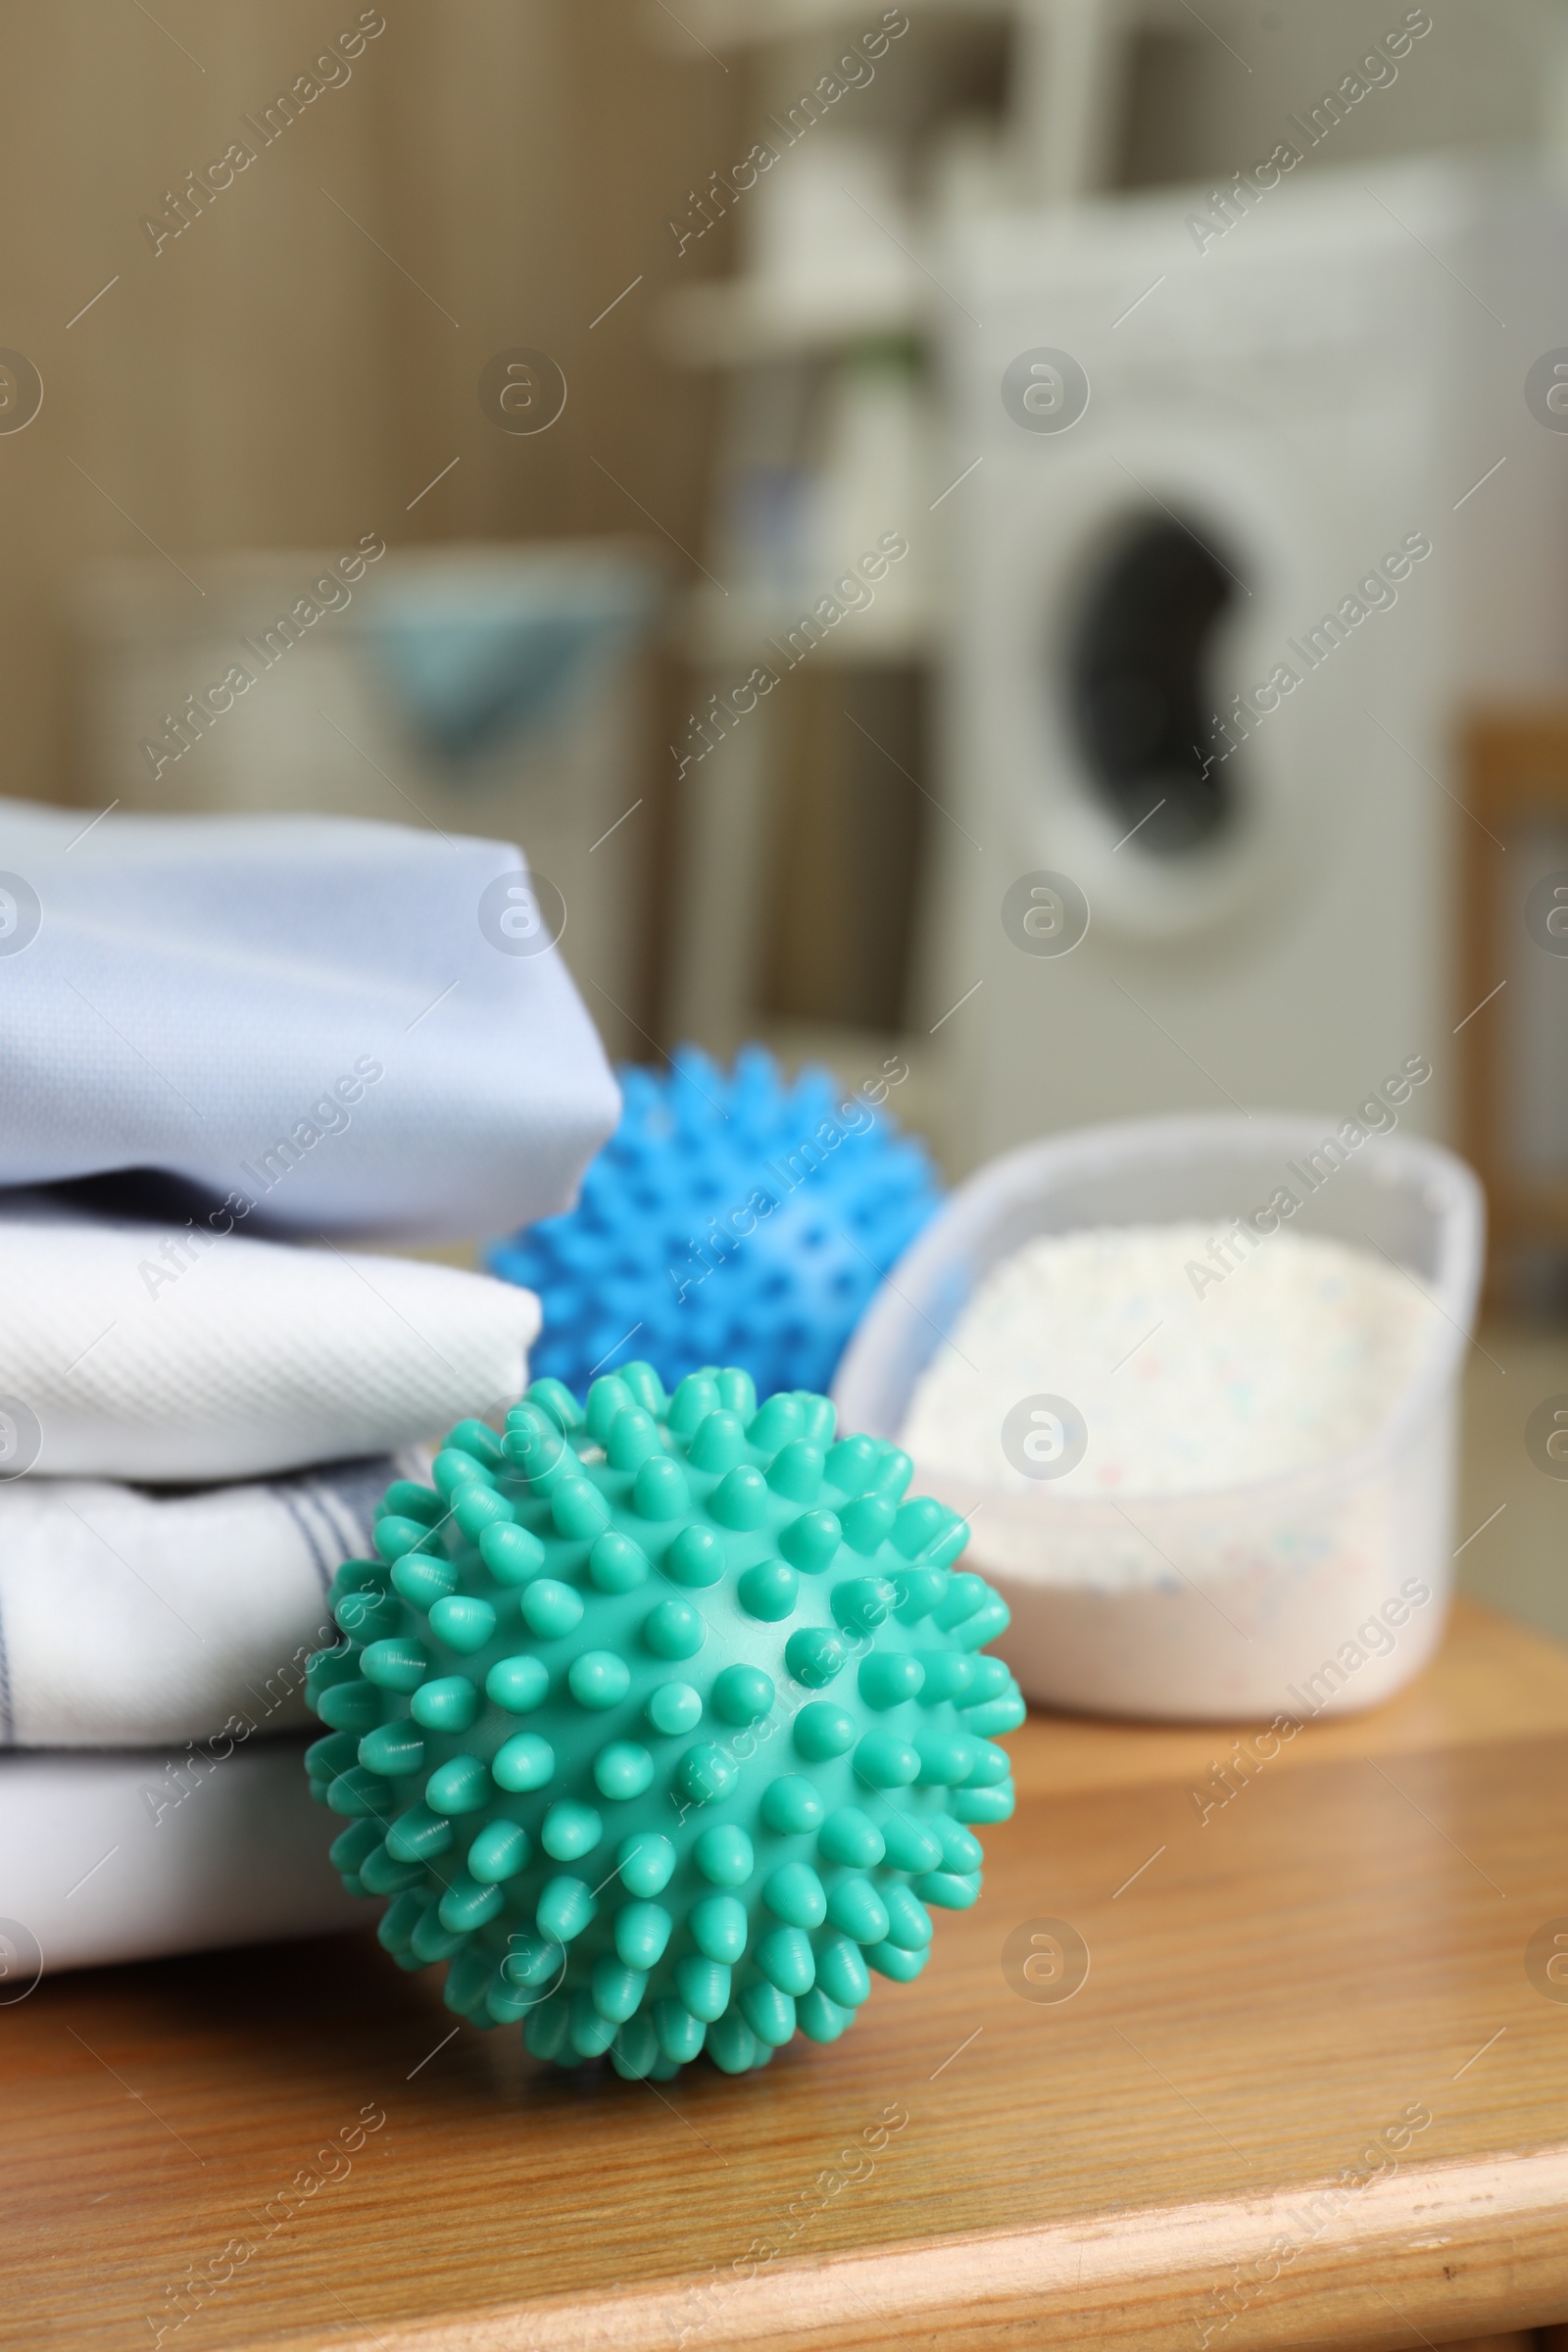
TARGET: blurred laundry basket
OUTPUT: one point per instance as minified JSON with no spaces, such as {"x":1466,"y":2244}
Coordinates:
{"x":489,"y":689}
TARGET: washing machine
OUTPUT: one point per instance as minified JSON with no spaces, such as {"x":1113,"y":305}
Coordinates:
{"x":1251,"y":501}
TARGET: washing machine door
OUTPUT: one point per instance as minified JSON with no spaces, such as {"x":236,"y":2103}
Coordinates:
{"x":1143,"y":682}
{"x":1139,"y":685}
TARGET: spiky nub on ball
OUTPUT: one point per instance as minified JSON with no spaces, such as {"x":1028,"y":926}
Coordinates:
{"x":739,"y":1217}
{"x":662,"y":1724}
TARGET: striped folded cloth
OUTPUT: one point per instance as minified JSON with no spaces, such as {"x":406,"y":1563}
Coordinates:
{"x":153,"y":1645}
{"x":133,"y":1617}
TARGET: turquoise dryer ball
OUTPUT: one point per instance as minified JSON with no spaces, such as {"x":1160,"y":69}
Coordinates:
{"x":663,"y":1724}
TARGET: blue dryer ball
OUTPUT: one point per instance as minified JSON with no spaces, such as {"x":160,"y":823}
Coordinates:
{"x":734,"y":1219}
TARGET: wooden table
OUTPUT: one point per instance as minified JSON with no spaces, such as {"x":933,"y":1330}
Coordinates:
{"x":1217,"y":2139}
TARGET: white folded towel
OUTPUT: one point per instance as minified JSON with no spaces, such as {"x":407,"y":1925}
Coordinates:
{"x":128,"y":1619}
{"x":352,"y":1027}
{"x":97,"y":1862}
{"x":137,"y":1352}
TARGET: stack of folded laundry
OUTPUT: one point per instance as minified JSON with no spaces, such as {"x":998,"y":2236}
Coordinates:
{"x":232,"y":1050}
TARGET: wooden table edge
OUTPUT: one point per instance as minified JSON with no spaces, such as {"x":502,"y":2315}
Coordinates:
{"x":1141,"y":2282}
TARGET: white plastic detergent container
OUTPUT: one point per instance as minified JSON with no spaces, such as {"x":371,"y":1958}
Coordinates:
{"x":1314,"y":1592}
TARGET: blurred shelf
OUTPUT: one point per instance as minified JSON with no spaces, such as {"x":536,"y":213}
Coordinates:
{"x":736,"y":321}
{"x":751,"y":23}
{"x":738,"y":627}
{"x":734,"y":24}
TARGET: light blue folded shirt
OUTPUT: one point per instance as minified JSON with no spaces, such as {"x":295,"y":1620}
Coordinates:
{"x":346,"y":1026}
